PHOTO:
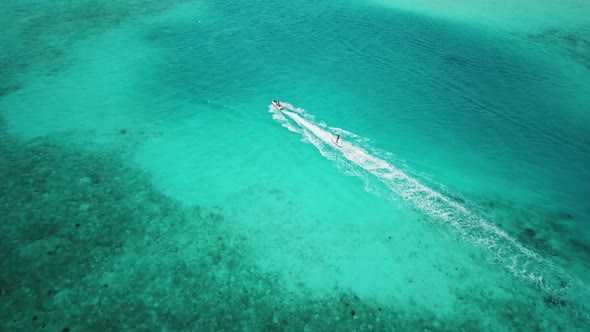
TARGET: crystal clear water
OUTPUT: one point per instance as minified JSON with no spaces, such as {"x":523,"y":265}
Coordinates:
{"x":149,"y":184}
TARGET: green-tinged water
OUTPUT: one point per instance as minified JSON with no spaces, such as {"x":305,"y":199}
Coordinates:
{"x":147,"y":182}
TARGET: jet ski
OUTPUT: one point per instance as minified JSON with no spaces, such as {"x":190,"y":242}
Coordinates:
{"x":278,"y":104}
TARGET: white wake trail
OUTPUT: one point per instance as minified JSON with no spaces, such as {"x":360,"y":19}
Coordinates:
{"x":504,"y":249}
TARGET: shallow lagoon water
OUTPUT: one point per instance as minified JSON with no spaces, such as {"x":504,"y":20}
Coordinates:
{"x":149,"y":183}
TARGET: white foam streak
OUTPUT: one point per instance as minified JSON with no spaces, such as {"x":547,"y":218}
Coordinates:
{"x":279,"y":117}
{"x":504,"y":249}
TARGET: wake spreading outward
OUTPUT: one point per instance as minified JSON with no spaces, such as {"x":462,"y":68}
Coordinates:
{"x":353,"y":152}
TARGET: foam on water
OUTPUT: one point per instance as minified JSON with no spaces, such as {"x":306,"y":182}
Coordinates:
{"x":502,"y":249}
{"x":279,"y":117}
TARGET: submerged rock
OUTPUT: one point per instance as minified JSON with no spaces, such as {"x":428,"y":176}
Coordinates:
{"x":530,"y":232}
{"x":565,"y":215}
{"x":554,"y":301}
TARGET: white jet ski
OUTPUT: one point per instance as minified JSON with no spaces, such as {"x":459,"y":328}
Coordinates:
{"x":278,"y":104}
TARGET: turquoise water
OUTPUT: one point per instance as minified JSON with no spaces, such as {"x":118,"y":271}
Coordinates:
{"x":149,"y":184}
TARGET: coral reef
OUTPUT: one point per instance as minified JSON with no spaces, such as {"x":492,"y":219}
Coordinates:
{"x":88,"y":244}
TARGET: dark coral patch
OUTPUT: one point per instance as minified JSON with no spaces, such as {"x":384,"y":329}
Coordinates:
{"x":554,"y":301}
